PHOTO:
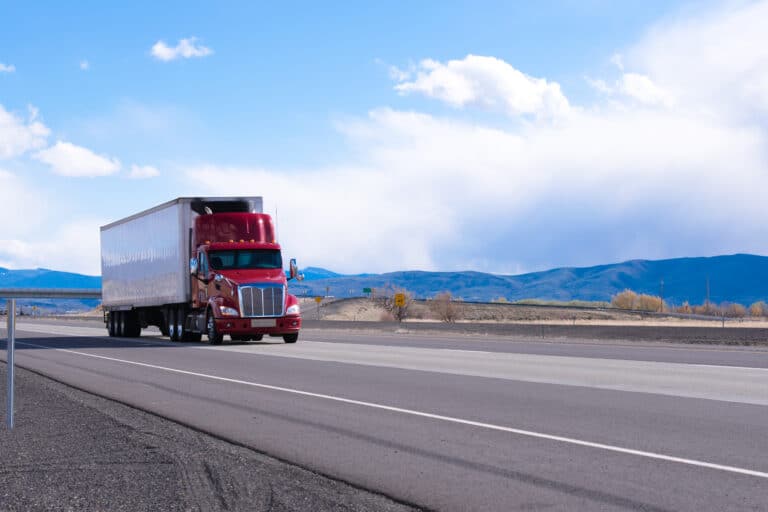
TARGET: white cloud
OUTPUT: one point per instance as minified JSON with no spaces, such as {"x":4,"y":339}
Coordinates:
{"x":143,"y":171}
{"x":487,"y":82}
{"x":85,"y":65}
{"x":616,"y":180}
{"x":642,"y":89}
{"x":7,"y":68}
{"x":79,"y":238}
{"x":716,"y":60}
{"x":18,"y":136}
{"x":186,"y":48}
{"x":67,"y":159}
{"x":16,"y":196}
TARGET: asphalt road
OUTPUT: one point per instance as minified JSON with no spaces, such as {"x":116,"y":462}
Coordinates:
{"x":456,"y":423}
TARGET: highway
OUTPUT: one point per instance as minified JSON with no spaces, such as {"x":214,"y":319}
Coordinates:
{"x":448,"y":422}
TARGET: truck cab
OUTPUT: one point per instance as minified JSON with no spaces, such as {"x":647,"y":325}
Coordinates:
{"x":239,"y":287}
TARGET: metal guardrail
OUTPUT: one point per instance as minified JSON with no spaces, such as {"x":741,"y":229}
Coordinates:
{"x":11,"y":294}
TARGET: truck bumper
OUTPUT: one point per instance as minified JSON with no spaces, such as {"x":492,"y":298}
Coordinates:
{"x":242,"y":326}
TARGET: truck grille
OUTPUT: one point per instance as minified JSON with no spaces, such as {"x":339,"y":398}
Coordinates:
{"x":258,"y":301}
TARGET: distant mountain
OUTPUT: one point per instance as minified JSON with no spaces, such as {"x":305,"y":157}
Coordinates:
{"x":44,"y":278}
{"x":739,"y":278}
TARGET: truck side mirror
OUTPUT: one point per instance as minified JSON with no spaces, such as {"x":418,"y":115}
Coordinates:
{"x":294,"y":272}
{"x":193,"y":266}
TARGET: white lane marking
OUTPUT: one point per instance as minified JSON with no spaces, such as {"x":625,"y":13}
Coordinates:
{"x":449,"y":419}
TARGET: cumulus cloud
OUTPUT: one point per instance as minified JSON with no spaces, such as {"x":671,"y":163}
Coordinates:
{"x":143,"y":172}
{"x":717,"y":60}
{"x":186,"y":48}
{"x":7,"y":68}
{"x":17,"y":136}
{"x":484,"y":81}
{"x":434,"y":193}
{"x":80,"y":238}
{"x":15,"y":198}
{"x":67,"y":159}
{"x":664,"y":166}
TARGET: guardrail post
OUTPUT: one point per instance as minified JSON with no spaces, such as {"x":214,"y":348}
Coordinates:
{"x":10,"y":348}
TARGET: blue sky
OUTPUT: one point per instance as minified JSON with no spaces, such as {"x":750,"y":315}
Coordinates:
{"x":494,"y":136}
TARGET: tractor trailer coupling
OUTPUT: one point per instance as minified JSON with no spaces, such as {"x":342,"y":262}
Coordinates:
{"x":198,"y":266}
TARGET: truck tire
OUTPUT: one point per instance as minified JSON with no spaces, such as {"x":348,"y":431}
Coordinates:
{"x":291,"y":338}
{"x":119,"y":324}
{"x":111,"y":324}
{"x":179,"y":318}
{"x":214,"y":337}
{"x":171,"y":319}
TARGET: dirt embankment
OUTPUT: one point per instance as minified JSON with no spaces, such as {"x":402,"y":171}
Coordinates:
{"x":366,"y":310}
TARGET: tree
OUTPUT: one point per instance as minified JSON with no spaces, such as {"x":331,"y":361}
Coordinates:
{"x":624,"y":300}
{"x":758,"y":309}
{"x":446,"y":309}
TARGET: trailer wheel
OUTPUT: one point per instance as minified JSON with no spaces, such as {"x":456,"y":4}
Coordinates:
{"x":214,"y":337}
{"x":120,"y":323}
{"x":111,"y":324}
{"x":291,"y":338}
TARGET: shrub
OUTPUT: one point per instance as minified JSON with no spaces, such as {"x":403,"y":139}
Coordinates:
{"x":444,"y":308}
{"x":624,"y":300}
{"x":685,"y":308}
{"x":758,"y":309}
{"x":734,"y":310}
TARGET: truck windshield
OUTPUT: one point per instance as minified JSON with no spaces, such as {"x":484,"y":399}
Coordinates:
{"x":245,"y":259}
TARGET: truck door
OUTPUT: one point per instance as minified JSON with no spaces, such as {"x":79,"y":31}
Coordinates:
{"x":202,"y":274}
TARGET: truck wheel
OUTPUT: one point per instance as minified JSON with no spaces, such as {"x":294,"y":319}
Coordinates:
{"x":214,"y":338}
{"x":111,"y":325}
{"x":173,"y":332}
{"x":120,"y":324}
{"x":291,"y":338}
{"x":257,"y":337}
{"x":180,"y":317}
{"x":193,"y":336}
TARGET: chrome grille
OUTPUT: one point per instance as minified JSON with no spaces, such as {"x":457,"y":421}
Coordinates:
{"x":256,"y":301}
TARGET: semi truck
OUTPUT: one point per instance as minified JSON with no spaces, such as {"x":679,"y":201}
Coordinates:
{"x":198,"y":266}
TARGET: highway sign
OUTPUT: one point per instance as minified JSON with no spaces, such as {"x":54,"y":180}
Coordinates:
{"x":366,"y":290}
{"x":400,"y":300}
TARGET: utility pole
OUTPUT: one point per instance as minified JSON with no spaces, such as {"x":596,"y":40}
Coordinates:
{"x":707,"y":301}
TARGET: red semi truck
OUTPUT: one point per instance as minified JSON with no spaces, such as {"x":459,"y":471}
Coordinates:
{"x":195,"y":266}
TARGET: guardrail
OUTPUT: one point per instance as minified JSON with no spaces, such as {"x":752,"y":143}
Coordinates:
{"x":11,"y":294}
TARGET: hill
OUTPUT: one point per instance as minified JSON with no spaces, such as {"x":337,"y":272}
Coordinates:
{"x":44,"y":278}
{"x":739,"y":278}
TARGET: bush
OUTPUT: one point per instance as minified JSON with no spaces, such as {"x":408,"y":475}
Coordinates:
{"x":624,"y":300}
{"x":734,"y":310}
{"x":444,"y":308}
{"x":758,"y":309}
{"x":685,"y":308}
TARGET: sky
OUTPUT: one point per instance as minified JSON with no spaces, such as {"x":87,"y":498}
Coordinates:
{"x":502,"y":137}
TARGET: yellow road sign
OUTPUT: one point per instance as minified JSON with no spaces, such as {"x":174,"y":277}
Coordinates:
{"x":318,"y":299}
{"x":400,"y":300}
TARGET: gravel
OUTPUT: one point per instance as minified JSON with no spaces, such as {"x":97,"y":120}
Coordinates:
{"x":71,"y":450}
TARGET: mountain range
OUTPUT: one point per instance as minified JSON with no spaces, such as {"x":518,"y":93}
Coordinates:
{"x":741,"y":278}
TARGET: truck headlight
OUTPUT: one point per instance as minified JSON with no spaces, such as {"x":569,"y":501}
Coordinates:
{"x":227,"y":311}
{"x":293,"y":310}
